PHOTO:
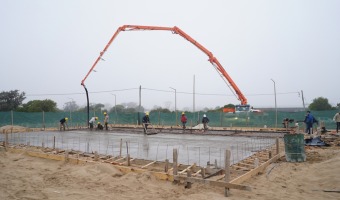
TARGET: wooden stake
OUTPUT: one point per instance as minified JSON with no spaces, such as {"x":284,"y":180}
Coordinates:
{"x":175,"y":169}
{"x":120,"y":148}
{"x":166,"y":167}
{"x":188,"y":185}
{"x":256,"y":162}
{"x":277,"y":146}
{"x":6,"y":140}
{"x":96,"y":156}
{"x":203,"y":172}
{"x":128,"y":160}
{"x":66,"y":156}
{"x":227,"y":172}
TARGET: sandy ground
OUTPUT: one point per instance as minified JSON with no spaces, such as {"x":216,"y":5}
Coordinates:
{"x":25,"y":177}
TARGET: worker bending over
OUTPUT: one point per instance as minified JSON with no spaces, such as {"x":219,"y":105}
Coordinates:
{"x":63,"y":121}
{"x":91,"y":122}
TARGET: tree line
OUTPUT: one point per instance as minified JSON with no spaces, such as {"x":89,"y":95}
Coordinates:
{"x":13,"y":101}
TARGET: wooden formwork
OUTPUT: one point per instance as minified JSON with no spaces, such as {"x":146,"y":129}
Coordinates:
{"x":230,"y":177}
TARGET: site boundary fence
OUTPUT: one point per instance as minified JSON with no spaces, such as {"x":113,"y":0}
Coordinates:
{"x":217,"y":119}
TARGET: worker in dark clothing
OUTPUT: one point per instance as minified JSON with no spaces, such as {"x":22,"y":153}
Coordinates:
{"x":100,"y":126}
{"x":146,"y":121}
{"x":286,"y":122}
{"x":309,"y":121}
{"x":205,"y":121}
{"x":63,"y":121}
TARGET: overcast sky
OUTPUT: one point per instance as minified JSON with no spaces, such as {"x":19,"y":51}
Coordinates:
{"x":47,"y":47}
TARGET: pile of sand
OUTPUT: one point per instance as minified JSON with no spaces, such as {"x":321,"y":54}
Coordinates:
{"x":24,"y":177}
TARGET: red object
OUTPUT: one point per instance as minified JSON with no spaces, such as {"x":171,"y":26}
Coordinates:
{"x":178,"y":31}
{"x":184,"y":119}
{"x":228,"y":110}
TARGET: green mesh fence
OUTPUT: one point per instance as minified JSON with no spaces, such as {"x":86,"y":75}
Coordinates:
{"x":51,"y":119}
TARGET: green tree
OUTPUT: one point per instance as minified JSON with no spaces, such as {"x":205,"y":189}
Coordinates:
{"x":229,"y":106}
{"x":46,"y":105}
{"x":11,"y":100}
{"x":71,"y":106}
{"x":319,"y":104}
{"x":216,"y":109}
{"x":118,"y":108}
{"x":160,"y":109}
{"x":96,"y":107}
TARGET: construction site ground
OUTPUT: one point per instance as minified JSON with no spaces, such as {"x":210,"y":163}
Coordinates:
{"x":241,"y":173}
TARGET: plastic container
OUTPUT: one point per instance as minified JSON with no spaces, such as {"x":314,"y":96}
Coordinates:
{"x":295,"y":147}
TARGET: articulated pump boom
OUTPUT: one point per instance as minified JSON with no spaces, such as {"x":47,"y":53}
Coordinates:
{"x":175,"y":30}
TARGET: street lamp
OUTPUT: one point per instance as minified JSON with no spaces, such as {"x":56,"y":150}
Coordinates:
{"x":115,"y":109}
{"x":275,"y":104}
{"x":175,"y":104}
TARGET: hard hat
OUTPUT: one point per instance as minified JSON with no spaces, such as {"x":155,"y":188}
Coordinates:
{"x":98,"y":122}
{"x":96,"y":118}
{"x":104,"y":113}
{"x":146,"y":113}
{"x":183,"y":113}
{"x":66,"y":118}
{"x":204,"y":115}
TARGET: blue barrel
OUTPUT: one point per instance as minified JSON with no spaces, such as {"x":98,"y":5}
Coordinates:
{"x":295,"y":147}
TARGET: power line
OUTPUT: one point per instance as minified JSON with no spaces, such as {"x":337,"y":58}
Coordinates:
{"x":152,"y":89}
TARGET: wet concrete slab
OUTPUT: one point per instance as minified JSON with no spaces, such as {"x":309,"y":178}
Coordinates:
{"x":192,"y":148}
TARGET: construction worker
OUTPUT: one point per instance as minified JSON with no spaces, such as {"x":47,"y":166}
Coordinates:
{"x":63,"y":121}
{"x":146,"y":121}
{"x":100,"y":126}
{"x":336,"y":118}
{"x":184,"y":120}
{"x":309,"y":121}
{"x":106,"y":120}
{"x":205,"y":121}
{"x":91,"y":122}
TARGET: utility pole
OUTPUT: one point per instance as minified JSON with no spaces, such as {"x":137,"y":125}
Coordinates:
{"x":115,"y":109}
{"x":303,"y":100}
{"x":275,"y":104}
{"x":193,"y":96}
{"x":70,"y":107}
{"x":140,"y":103}
{"x":175,"y":105}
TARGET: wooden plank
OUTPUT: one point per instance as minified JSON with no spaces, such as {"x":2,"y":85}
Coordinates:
{"x":122,"y":158}
{"x":246,"y":164}
{"x":212,"y":183}
{"x":255,"y":171}
{"x":171,"y":169}
{"x":214,"y":173}
{"x":195,"y":174}
{"x":191,"y":166}
{"x":240,"y":167}
{"x":127,"y":161}
{"x":217,"y":177}
{"x":145,"y":166}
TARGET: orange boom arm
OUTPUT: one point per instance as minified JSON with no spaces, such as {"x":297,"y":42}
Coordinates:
{"x":225,"y":76}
